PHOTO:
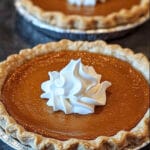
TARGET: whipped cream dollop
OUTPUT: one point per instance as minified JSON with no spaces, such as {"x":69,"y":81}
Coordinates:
{"x":85,"y":2}
{"x":75,"y":89}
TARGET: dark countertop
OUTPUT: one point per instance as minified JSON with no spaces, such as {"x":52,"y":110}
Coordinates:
{"x":11,"y":40}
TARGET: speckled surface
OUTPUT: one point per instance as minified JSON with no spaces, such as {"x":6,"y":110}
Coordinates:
{"x":11,"y":40}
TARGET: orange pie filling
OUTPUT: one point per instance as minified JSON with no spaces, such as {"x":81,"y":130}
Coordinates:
{"x":127,"y":98}
{"x":101,"y":9}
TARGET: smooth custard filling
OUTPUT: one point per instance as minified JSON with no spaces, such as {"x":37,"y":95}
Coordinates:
{"x":127,"y":98}
{"x":101,"y":9}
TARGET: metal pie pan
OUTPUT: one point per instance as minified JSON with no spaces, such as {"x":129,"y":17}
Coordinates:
{"x":74,"y":34}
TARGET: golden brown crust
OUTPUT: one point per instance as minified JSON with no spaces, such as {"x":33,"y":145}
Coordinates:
{"x":61,"y":20}
{"x":122,"y":140}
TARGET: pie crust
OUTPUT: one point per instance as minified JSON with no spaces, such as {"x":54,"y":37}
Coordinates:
{"x":61,"y":20}
{"x":122,"y":140}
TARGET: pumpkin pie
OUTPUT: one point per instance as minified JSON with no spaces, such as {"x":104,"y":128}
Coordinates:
{"x":122,"y":123}
{"x":104,"y":14}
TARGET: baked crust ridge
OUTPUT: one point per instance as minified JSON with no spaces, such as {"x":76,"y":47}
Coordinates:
{"x":61,"y":20}
{"x":122,"y":140}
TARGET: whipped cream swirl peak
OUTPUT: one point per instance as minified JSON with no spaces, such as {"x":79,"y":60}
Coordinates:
{"x":75,"y":89}
{"x":85,"y":2}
